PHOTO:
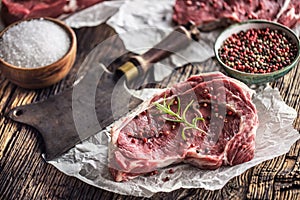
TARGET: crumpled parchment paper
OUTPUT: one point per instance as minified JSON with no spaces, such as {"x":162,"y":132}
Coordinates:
{"x":142,"y":24}
{"x":94,"y":15}
{"x":275,"y":135}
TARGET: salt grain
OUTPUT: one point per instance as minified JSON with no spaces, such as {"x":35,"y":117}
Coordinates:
{"x":34,"y":43}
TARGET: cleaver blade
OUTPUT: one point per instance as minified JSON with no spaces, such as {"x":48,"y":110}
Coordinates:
{"x":72,"y":116}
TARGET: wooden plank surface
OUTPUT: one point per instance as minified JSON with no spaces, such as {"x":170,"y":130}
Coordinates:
{"x":25,"y":175}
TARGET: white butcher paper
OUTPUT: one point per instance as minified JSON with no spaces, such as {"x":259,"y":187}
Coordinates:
{"x":87,"y":161}
{"x":142,"y":24}
{"x":94,"y":15}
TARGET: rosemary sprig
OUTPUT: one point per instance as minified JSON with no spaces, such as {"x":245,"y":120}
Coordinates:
{"x":166,"y":109}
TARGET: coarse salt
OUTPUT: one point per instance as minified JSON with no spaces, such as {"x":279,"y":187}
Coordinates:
{"x":34,"y":43}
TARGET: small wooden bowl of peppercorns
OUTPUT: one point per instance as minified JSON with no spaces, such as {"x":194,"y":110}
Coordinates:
{"x":257,"y":51}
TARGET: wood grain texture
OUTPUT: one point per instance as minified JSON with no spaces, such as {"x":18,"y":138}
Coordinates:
{"x":25,"y":175}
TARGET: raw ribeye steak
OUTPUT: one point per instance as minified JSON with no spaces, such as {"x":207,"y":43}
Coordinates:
{"x":14,"y":10}
{"x":211,"y":14}
{"x":207,"y":121}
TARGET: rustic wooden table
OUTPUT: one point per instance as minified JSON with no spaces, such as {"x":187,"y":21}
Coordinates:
{"x":25,"y":175}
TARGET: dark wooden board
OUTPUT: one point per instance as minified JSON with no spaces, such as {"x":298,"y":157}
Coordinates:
{"x":25,"y":175}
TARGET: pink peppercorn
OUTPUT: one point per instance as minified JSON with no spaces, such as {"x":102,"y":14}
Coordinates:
{"x":258,"y":51}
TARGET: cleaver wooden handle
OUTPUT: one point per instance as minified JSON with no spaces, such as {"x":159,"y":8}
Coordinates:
{"x":178,"y":39}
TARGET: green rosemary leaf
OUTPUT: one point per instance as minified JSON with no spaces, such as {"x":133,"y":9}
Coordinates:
{"x":178,"y":106}
{"x":196,"y":119}
{"x":169,"y":104}
{"x":183,"y":134}
{"x":160,"y":107}
{"x":172,"y":120}
{"x":200,"y":119}
{"x":164,"y":109}
{"x":165,"y":100}
{"x":186,"y":109}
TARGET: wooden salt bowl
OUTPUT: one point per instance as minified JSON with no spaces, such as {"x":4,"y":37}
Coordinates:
{"x":40,"y":77}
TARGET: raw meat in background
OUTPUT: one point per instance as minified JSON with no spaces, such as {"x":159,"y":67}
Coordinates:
{"x":215,"y":13}
{"x":14,"y":10}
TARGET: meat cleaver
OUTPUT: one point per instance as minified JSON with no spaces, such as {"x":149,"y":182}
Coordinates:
{"x":98,"y":98}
